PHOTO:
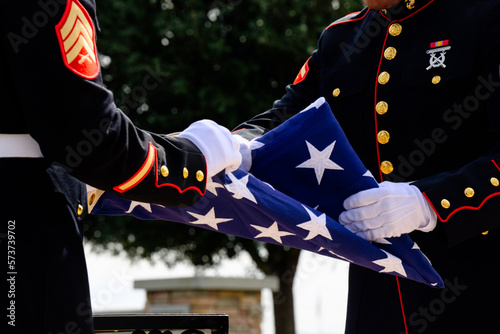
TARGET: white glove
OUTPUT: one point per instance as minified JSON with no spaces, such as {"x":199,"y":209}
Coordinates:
{"x":391,"y":210}
{"x":245,"y":151}
{"x":216,"y":143}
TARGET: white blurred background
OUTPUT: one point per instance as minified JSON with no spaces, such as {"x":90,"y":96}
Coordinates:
{"x":320,"y":288}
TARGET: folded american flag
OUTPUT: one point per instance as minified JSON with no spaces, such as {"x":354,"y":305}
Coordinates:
{"x":301,"y":173}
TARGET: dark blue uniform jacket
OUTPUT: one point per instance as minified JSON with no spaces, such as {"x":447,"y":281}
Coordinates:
{"x":417,"y":92}
{"x":53,"y":91}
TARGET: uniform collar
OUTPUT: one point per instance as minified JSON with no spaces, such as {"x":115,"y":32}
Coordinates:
{"x":402,"y":11}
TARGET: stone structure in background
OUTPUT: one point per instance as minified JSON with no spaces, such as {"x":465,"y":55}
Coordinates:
{"x":240,"y":298}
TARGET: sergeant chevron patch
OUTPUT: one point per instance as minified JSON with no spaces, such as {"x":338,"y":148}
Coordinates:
{"x":303,"y":73}
{"x":76,"y":35}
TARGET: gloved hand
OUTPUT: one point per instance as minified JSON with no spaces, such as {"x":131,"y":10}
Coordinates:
{"x":245,"y":151}
{"x":216,"y":143}
{"x":391,"y":210}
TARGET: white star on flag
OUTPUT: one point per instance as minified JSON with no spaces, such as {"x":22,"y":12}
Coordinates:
{"x":316,"y":226}
{"x":272,"y":232}
{"x":208,"y":219}
{"x":134,"y":204}
{"x":320,"y":160}
{"x":391,"y":264}
{"x":239,"y":188}
{"x":212,"y":187}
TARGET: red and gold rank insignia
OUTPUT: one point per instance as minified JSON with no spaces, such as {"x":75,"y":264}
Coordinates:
{"x":76,"y":35}
{"x":303,"y":73}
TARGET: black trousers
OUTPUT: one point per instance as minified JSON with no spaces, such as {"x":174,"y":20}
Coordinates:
{"x":46,"y":278}
{"x":469,"y":303}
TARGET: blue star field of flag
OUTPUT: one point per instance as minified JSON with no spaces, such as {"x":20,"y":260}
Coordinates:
{"x":301,"y":173}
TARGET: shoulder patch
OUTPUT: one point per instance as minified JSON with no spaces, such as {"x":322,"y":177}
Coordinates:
{"x":303,"y":73}
{"x":76,"y":36}
{"x":350,"y":17}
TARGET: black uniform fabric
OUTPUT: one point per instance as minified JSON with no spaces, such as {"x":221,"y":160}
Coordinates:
{"x":52,"y":90}
{"x":416,"y":114}
{"x":47,"y":287}
{"x":74,"y":119}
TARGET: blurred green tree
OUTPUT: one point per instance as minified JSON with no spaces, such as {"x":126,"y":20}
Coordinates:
{"x":172,"y":62}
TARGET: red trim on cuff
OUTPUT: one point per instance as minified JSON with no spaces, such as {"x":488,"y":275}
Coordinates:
{"x":152,"y":160}
{"x":444,"y":220}
{"x":141,"y":173}
{"x":202,"y":193}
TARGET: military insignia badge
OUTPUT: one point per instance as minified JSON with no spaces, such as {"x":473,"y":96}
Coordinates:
{"x":76,"y":35}
{"x":410,"y":4}
{"x":303,"y":73}
{"x":438,"y":54}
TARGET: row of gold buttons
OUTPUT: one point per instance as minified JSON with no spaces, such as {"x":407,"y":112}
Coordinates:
{"x":469,"y":192}
{"x":200,"y":176}
{"x":383,"y":136}
{"x":389,"y":54}
{"x":382,"y":107}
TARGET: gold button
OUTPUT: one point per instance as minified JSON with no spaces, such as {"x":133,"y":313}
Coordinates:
{"x":382,"y":107}
{"x":485,"y":232}
{"x":164,"y":171}
{"x":200,"y":176}
{"x":390,"y":53}
{"x":383,"y":78}
{"x":383,"y":137}
{"x":445,"y":203}
{"x":79,"y":210}
{"x":386,"y":167}
{"x":185,"y":173}
{"x":436,"y":79}
{"x":336,"y":92}
{"x":91,"y":199}
{"x":494,"y":181}
{"x":469,"y":192}
{"x":395,"y":29}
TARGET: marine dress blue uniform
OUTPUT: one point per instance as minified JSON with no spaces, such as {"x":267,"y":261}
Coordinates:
{"x":58,"y":118}
{"x":416,"y":89}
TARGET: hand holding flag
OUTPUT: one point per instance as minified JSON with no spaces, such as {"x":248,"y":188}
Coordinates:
{"x":391,"y":210}
{"x":311,"y":169}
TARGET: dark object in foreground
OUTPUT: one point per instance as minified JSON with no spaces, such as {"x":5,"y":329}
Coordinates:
{"x":162,"y":323}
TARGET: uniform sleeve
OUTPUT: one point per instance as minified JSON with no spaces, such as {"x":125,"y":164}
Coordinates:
{"x":467,"y":200}
{"x":51,"y":52}
{"x":299,"y":95}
